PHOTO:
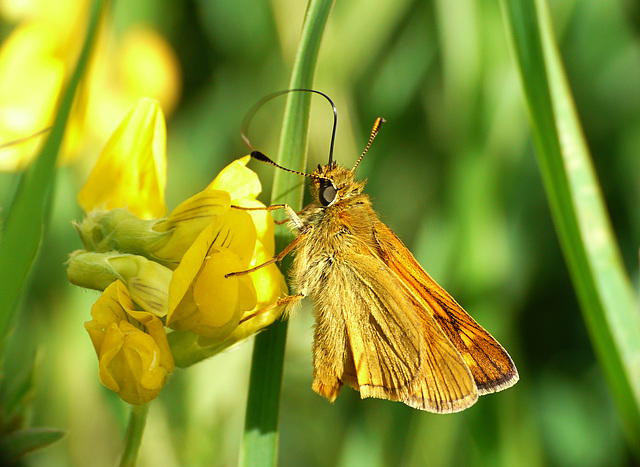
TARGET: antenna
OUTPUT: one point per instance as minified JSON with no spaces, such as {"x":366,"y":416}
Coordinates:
{"x":374,"y":131}
{"x":264,"y":158}
{"x":247,"y":120}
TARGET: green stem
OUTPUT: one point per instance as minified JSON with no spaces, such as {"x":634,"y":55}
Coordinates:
{"x":260,"y":441}
{"x":23,"y":222}
{"x":133,"y":437}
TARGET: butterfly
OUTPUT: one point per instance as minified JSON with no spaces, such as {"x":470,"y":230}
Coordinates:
{"x":382,"y":325}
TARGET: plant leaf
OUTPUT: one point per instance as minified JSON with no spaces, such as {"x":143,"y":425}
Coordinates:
{"x":18,"y":443}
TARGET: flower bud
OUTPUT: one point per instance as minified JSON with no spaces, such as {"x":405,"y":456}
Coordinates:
{"x":133,"y":353}
{"x":121,"y":230}
{"x":147,"y":281}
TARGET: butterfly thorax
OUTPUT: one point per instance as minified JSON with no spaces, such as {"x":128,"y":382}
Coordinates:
{"x":339,"y":229}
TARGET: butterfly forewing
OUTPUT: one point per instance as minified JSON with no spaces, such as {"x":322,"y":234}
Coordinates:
{"x":490,"y":365}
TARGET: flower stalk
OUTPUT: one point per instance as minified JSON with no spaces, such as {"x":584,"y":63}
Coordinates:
{"x":133,"y":436}
{"x":260,"y":440}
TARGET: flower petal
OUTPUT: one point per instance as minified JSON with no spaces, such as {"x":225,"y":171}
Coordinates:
{"x":111,"y":346}
{"x":208,"y":303}
{"x":130,"y":364}
{"x":263,"y":221}
{"x":131,"y":171}
{"x":215,"y":295}
{"x":238,"y":180}
{"x":268,"y":281}
{"x":187,"y":221}
{"x":108,"y":309}
{"x":147,"y":282}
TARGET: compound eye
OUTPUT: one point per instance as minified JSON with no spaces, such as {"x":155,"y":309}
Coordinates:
{"x":327,"y":193}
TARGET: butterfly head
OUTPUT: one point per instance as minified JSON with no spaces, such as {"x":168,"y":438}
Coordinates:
{"x":332,"y":183}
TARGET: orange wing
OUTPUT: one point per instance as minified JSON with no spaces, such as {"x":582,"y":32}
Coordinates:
{"x":386,"y":350}
{"x":490,"y":365}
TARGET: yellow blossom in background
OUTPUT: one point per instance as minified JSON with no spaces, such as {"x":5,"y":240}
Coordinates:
{"x":132,"y":169}
{"x":57,"y":29}
{"x":134,"y":356}
{"x":39,"y":56}
{"x":31,"y":77}
{"x":68,"y":18}
{"x":139,"y":63}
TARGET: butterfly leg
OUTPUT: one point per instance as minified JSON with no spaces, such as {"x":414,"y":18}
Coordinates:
{"x":288,"y":302}
{"x":276,"y":258}
{"x":293,"y":216}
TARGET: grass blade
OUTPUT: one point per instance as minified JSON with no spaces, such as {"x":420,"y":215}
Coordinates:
{"x":606,"y":297}
{"x":261,"y":423}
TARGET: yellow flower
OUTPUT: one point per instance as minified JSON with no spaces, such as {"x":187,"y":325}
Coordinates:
{"x":192,"y":305}
{"x":244,"y":186}
{"x":201,"y":298}
{"x":133,"y":352}
{"x":205,"y":238}
{"x":132,"y":169}
{"x":175,"y":268}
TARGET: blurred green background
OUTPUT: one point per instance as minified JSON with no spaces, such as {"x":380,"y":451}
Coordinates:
{"x":452,"y":172}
